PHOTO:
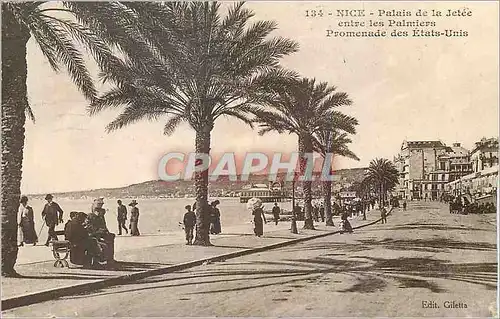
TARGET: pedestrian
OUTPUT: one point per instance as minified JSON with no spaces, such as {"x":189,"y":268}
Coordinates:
{"x":383,"y":214}
{"x":258,"y":217}
{"x":96,"y":203}
{"x":276,"y":213}
{"x":322,"y":212}
{"x":27,"y":223}
{"x":345,"y":224}
{"x":72,"y":218}
{"x":316,"y":213}
{"x":121,"y":217}
{"x":134,"y":219}
{"x":297,"y":212}
{"x":95,"y":223}
{"x":215,"y":225}
{"x":189,"y":223}
{"x":404,"y":205}
{"x":83,"y":248}
{"x":52,"y":214}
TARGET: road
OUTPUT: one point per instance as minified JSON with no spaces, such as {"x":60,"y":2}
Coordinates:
{"x":421,"y":263}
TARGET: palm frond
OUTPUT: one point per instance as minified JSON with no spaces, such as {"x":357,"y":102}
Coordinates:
{"x":172,"y":123}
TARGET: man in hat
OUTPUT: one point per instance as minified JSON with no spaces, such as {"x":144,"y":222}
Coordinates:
{"x":276,"y":213}
{"x":122,"y":217}
{"x":383,"y":214}
{"x":189,"y":223}
{"x":52,"y":214}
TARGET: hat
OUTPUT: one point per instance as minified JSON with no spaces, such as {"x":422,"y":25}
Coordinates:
{"x":81,"y":215}
{"x":133,"y":203}
{"x":24,"y":199}
{"x":215,"y":202}
{"x":99,"y":200}
{"x":254,"y":203}
{"x":49,"y":196}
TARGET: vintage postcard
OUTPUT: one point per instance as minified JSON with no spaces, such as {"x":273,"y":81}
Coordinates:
{"x":250,"y":159}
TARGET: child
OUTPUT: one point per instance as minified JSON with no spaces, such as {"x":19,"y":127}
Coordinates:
{"x":189,"y":223}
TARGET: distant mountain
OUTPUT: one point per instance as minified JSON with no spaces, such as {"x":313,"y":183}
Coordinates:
{"x":222,"y":187}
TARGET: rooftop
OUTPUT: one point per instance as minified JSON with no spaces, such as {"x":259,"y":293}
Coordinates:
{"x":420,"y":144}
{"x":485,"y":143}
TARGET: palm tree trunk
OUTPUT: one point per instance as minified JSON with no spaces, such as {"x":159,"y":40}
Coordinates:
{"x":305,"y":147}
{"x":201,"y":185}
{"x":380,"y":196}
{"x":327,"y":195}
{"x":14,"y":105}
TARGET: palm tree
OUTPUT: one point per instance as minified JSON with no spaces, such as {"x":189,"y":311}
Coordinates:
{"x":59,"y":40}
{"x":332,"y":143}
{"x":383,"y":175}
{"x":208,"y":65}
{"x":305,"y":108}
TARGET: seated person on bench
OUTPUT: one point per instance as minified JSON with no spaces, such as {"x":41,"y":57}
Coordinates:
{"x":83,"y":247}
{"x":96,"y":227}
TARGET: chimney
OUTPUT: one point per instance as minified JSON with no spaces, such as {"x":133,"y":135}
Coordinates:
{"x":456,"y":144}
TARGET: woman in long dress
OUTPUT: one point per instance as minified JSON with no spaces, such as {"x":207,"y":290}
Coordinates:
{"x":215,"y":227}
{"x":134,"y":219}
{"x":27,"y":233}
{"x":258,"y":218}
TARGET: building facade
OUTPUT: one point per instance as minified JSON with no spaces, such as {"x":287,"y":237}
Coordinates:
{"x":485,"y":154}
{"x":426,"y":166}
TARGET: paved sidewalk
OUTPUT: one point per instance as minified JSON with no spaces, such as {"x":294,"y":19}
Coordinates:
{"x":151,"y":252}
{"x":421,"y":255}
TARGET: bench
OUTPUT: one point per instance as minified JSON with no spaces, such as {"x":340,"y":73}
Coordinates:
{"x":60,"y":250}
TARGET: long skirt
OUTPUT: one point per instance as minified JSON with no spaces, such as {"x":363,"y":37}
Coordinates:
{"x":20,"y":235}
{"x":28,"y":232}
{"x":258,"y":227}
{"x":134,"y":230}
{"x":215,"y":227}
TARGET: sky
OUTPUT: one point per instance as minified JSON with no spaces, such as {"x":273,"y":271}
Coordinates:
{"x":402,"y":88}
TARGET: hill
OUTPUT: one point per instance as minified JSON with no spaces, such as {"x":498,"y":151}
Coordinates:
{"x":222,"y":187}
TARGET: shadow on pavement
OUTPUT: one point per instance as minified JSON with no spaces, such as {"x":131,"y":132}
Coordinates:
{"x":80,"y":273}
{"x":371,"y":275}
{"x":436,"y":227}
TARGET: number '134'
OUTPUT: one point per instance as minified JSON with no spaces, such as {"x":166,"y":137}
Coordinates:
{"x":314,"y":13}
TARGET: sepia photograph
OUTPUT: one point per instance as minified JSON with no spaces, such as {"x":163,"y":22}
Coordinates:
{"x":249,"y":159}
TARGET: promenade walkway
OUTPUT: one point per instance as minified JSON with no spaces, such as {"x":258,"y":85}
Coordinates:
{"x":423,"y":256}
{"x":135,"y":254}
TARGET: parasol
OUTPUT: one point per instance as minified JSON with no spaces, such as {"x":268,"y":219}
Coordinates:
{"x":254,"y":203}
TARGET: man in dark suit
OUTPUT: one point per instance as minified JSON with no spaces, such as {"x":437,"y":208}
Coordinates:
{"x":53,"y":215}
{"x":122,"y":217}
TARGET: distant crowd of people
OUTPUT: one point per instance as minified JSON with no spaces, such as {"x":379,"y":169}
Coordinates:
{"x":462,"y":205}
{"x":91,"y":241}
